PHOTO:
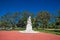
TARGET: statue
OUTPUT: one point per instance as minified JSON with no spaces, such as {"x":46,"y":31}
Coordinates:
{"x":29,"y":27}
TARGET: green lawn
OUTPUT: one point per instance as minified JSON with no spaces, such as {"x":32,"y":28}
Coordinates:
{"x":54,"y":31}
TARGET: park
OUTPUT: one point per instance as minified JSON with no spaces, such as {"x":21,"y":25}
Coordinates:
{"x":27,"y":32}
{"x":29,"y":19}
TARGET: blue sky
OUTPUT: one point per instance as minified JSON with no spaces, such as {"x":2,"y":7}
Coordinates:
{"x":30,"y":5}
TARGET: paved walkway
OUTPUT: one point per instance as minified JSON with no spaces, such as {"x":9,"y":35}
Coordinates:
{"x":15,"y":35}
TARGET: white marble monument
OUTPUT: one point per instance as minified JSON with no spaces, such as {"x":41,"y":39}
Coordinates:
{"x":29,"y":27}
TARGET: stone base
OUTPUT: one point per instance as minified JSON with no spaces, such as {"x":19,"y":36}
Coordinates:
{"x":29,"y":31}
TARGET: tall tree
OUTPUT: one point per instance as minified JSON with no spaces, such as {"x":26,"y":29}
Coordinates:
{"x":10,"y":19}
{"x":44,"y":18}
{"x":57,"y":24}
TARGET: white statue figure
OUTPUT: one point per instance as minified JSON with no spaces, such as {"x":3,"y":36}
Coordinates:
{"x":29,"y":27}
{"x":29,"y":24}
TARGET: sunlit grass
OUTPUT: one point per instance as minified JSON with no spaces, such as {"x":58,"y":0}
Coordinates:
{"x":54,"y":31}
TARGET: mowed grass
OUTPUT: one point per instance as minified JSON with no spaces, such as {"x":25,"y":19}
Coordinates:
{"x":52,"y":31}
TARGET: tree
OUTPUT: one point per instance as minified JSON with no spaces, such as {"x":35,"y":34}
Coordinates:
{"x":35,"y":23}
{"x":44,"y":18}
{"x":57,"y":24}
{"x":10,"y":19}
{"x":21,"y":23}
